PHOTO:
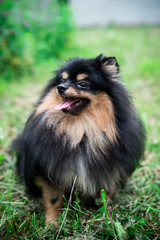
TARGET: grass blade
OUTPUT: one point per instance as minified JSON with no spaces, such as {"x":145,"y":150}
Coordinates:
{"x":103,"y":197}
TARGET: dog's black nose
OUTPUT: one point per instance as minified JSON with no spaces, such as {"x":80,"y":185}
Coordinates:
{"x":61,"y":88}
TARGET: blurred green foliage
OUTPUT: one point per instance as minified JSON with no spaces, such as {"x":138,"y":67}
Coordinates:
{"x":31,"y":32}
{"x":11,"y":45}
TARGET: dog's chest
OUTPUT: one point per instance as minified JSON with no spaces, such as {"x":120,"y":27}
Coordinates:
{"x":77,"y":171}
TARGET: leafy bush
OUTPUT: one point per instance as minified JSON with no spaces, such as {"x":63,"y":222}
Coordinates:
{"x":11,"y":44}
{"x":31,"y":32}
{"x":53,"y":32}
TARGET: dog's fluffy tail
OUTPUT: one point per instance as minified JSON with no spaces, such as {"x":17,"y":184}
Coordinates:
{"x":18,"y":147}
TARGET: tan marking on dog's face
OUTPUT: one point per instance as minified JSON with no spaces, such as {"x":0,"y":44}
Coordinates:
{"x":65,"y":75}
{"x":50,"y":192}
{"x":82,"y":76}
{"x":72,"y":92}
{"x":52,"y":99}
{"x":49,"y":102}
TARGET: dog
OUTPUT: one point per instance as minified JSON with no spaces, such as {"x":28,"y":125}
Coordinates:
{"x":84,"y":135}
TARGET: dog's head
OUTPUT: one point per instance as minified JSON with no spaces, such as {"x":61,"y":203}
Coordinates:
{"x":81,"y":84}
{"x":79,"y":81}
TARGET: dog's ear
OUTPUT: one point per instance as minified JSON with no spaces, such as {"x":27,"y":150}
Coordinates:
{"x":109,"y":64}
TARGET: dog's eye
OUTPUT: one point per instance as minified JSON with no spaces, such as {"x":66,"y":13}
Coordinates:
{"x":82,"y":85}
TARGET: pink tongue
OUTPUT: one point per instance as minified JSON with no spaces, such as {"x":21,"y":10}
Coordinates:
{"x":66,"y":104}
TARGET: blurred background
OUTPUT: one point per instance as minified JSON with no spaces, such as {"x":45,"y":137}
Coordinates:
{"x":34,"y":31}
{"x":36,"y":37}
{"x":125,"y":12}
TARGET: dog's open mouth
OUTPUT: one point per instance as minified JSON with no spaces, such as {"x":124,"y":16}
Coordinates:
{"x":72,"y":105}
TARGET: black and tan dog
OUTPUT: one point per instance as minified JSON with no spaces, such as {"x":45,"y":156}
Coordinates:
{"x":85,"y":130}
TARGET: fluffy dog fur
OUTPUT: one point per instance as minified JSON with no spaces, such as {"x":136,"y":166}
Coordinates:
{"x":85,"y":130}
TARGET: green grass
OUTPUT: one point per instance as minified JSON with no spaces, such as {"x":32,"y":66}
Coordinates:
{"x":135,"y":211}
